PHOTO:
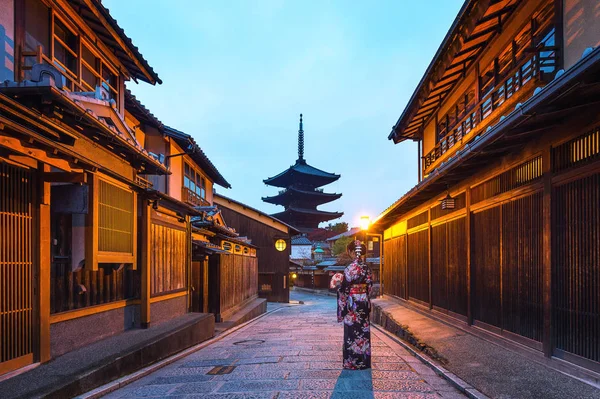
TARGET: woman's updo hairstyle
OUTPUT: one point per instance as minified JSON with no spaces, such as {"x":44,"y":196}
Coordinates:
{"x":352,"y":247}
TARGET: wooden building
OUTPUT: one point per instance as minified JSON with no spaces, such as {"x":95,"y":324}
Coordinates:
{"x":96,"y":195}
{"x":224,"y":268}
{"x":271,"y":237}
{"x":502,"y":230}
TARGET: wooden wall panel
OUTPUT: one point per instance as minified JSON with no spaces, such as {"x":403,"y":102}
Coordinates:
{"x":439,"y":266}
{"x":239,"y":280}
{"x":457,"y":266}
{"x":418,"y":265}
{"x":485,"y":261}
{"x":576,"y":267}
{"x":394,"y":268}
{"x":168,"y":257}
{"x":522,"y":297}
{"x":270,"y":260}
{"x":16,"y":267}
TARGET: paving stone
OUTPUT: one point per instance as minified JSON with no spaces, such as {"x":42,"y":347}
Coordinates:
{"x":196,"y":388}
{"x":300,"y":358}
{"x":263,"y":385}
{"x":318,"y":385}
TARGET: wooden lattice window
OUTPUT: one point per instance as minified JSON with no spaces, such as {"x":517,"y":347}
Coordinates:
{"x":168,"y":259}
{"x":115,"y":218}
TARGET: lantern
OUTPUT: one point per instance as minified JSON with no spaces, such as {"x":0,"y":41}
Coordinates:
{"x":280,"y":245}
{"x":448,"y":202}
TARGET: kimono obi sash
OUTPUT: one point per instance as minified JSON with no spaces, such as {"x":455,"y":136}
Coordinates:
{"x":358,"y":289}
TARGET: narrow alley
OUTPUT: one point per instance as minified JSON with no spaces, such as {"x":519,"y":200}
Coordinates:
{"x":292,"y":352}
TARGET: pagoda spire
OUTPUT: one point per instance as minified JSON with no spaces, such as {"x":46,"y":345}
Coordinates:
{"x":301,"y":142}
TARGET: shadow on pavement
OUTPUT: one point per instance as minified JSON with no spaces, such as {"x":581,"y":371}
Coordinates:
{"x":354,"y":384}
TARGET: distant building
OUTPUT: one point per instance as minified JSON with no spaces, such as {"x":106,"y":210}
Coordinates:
{"x":301,"y":248}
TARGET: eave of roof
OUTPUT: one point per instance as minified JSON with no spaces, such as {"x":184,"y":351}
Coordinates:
{"x":292,"y":229}
{"x":565,"y":87}
{"x":139,"y":110}
{"x":184,"y":139}
{"x":302,"y":168}
{"x":458,"y":34}
{"x":292,"y":191}
{"x":106,"y":24}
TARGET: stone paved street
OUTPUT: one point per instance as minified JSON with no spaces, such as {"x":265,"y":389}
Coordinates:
{"x":294,"y":352}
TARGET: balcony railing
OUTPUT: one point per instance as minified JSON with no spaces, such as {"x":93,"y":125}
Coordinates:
{"x":535,"y":71}
{"x":192,"y":198}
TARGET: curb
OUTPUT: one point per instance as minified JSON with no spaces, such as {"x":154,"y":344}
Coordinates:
{"x":456,"y":382}
{"x":123,"y":381}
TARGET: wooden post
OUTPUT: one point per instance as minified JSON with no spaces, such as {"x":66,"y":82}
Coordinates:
{"x":44,"y":249}
{"x":468,"y":244}
{"x":91,"y":225}
{"x":547,"y":252}
{"x":145,"y":244}
{"x":429,"y":257}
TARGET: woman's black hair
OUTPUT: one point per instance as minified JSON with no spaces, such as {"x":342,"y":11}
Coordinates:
{"x":352,"y":247}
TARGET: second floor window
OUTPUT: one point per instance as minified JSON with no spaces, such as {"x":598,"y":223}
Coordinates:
{"x":194,"y":181}
{"x":57,"y":42}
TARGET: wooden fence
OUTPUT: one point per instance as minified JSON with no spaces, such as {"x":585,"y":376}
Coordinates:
{"x":74,"y":290}
{"x":239,"y":280}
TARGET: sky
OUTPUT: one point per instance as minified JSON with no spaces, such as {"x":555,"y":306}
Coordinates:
{"x":237,"y":74}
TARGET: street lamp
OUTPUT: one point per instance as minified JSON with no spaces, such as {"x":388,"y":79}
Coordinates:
{"x":365,"y":223}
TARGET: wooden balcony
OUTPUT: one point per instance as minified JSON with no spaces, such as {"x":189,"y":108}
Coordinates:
{"x":192,"y":198}
{"x":517,"y":86}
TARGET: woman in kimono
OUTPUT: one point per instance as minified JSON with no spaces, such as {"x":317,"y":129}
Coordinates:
{"x":354,"y":308}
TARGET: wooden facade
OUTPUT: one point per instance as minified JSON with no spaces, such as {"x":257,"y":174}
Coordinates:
{"x":518,"y":255}
{"x":94,"y":220}
{"x":264,"y":231}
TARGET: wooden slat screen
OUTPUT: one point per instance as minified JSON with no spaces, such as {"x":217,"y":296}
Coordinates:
{"x":580,"y":150}
{"x":394,"y":267}
{"x":457,"y":266}
{"x":239,"y":280}
{"x":116,"y":218}
{"x":82,"y":288}
{"x":439,"y":266}
{"x":16,"y":263}
{"x":516,"y":177}
{"x":418,"y":265}
{"x":168,"y":257}
{"x":485,"y":261}
{"x":522,"y":235}
{"x":576,"y":267}
{"x":417,"y":220}
{"x":449,"y":266}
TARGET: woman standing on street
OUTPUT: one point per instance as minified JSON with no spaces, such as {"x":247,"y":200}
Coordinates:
{"x":354,"y":308}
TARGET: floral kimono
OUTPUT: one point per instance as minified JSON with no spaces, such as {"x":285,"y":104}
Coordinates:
{"x":354,"y":307}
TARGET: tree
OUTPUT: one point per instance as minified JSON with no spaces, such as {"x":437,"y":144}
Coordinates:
{"x":339,"y":246}
{"x":339,"y":228}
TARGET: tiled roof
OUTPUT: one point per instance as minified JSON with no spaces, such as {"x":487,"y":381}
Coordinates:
{"x":301,"y":240}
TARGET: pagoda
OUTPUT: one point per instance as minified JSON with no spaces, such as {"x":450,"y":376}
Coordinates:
{"x":301,"y":193}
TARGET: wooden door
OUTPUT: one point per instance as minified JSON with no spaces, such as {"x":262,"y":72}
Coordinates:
{"x":16,"y":268}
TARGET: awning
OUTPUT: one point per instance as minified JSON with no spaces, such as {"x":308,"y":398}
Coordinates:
{"x":208,"y":247}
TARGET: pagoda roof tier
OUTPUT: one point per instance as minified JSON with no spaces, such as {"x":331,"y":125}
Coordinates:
{"x":302,"y":217}
{"x":303,"y":174}
{"x":305,"y":197}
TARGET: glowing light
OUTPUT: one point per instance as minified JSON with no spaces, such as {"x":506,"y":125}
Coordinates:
{"x":280,"y":245}
{"x":365,"y":222}
{"x":294,"y":275}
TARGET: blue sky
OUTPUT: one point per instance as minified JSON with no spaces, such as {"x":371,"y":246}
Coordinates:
{"x":237,"y":74}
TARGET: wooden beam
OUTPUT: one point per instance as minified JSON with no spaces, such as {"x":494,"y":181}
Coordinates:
{"x":468,"y":244}
{"x":547,"y":344}
{"x":43,"y":255}
{"x":429,"y":256}
{"x":91,"y":225}
{"x":65,"y":177}
{"x":145,"y":247}
{"x":118,"y":39}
